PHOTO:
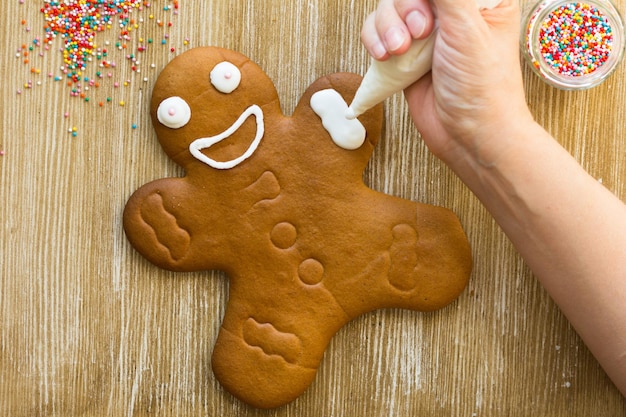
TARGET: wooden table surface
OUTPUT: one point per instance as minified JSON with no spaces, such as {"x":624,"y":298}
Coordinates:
{"x":89,"y":328}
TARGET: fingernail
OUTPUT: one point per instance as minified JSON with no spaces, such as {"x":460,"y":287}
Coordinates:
{"x":416,"y":22}
{"x":378,"y":51}
{"x":394,"y":38}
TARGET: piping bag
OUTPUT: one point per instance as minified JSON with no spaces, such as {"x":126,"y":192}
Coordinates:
{"x":385,"y":78}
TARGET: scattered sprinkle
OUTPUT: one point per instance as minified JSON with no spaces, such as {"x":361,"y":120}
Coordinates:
{"x":86,"y":64}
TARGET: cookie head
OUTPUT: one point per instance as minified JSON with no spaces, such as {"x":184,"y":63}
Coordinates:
{"x":198,"y":94}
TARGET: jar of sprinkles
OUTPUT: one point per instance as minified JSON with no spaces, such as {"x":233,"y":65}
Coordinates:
{"x":573,"y":45}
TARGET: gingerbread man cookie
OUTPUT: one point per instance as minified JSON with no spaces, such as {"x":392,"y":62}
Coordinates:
{"x":279,"y":204}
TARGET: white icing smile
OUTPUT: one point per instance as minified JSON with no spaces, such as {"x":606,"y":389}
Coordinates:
{"x":198,"y":145}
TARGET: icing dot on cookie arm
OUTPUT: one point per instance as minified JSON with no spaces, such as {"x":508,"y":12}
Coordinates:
{"x":330,"y":107}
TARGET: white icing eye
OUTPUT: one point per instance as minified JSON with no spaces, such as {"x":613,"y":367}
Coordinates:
{"x":174,"y":112}
{"x":225,"y":77}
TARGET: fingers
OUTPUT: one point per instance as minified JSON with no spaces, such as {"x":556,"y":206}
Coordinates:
{"x":371,"y":40}
{"x":394,"y":24}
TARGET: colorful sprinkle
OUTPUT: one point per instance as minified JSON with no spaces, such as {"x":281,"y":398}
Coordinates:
{"x":78,"y":21}
{"x":575,"y":39}
{"x":89,"y":69}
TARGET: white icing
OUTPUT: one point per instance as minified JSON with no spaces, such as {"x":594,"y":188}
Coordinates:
{"x":174,"y":112}
{"x":330,"y":107}
{"x":385,"y":78}
{"x":204,"y":143}
{"x":225,"y":77}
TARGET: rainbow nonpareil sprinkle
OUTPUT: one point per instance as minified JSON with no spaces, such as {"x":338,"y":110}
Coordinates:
{"x":94,"y":38}
{"x":575,"y":39}
{"x":78,"y":21}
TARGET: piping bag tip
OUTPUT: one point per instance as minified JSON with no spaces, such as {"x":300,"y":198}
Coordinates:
{"x":385,"y":78}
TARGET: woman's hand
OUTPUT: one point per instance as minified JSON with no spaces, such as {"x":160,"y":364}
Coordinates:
{"x":474,"y":97}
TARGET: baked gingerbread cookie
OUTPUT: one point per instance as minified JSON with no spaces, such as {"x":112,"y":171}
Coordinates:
{"x":279,"y":204}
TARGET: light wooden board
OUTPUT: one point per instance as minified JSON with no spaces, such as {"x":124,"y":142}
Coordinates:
{"x":89,"y":328}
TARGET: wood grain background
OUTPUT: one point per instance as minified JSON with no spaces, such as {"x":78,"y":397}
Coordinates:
{"x":89,"y":328}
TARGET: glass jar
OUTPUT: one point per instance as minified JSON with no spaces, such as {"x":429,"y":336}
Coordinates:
{"x":573,"y":45}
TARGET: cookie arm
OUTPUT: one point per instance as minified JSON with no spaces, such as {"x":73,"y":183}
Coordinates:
{"x":153,"y":229}
{"x":406,"y":255}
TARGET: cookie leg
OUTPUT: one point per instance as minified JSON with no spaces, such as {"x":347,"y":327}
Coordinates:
{"x":273,"y":338}
{"x":263,"y":379}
